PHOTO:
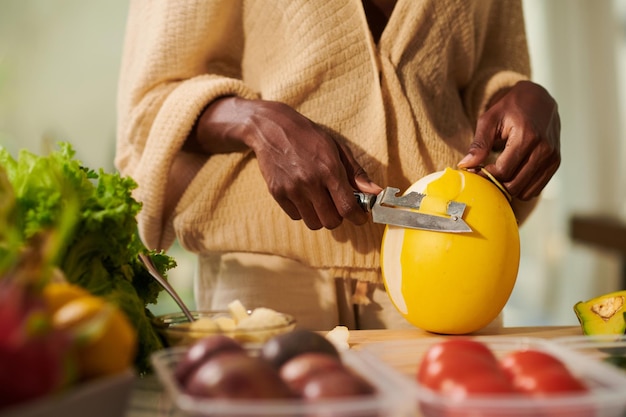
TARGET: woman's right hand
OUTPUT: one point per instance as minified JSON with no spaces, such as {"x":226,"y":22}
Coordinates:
{"x":310,"y":174}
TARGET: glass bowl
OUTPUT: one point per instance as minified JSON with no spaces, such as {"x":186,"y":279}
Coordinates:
{"x":176,"y":329}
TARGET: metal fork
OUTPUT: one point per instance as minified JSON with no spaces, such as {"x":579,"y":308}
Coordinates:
{"x":147,"y":261}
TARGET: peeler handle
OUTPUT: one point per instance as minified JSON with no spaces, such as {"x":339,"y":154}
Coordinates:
{"x":365,"y":200}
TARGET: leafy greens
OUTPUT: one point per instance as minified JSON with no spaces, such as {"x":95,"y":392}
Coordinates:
{"x":95,"y":216}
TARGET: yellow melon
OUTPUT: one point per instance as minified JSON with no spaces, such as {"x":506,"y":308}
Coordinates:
{"x":454,"y":283}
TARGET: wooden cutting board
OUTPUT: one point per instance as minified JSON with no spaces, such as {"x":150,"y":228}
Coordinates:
{"x":361,"y":337}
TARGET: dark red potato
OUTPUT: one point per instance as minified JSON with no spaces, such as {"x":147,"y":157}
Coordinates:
{"x":201,"y":351}
{"x":236,"y":375}
{"x":298,"y":370}
{"x":281,"y":348}
{"x":334,"y":384}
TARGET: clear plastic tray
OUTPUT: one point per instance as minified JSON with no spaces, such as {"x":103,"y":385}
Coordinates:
{"x":392,"y":397}
{"x":605,"y":348}
{"x":607,"y":395}
{"x":102,"y":397}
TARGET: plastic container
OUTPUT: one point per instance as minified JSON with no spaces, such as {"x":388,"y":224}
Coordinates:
{"x":605,"y":348}
{"x":391,"y":399}
{"x":606,"y":397}
{"x":175,"y":328}
{"x":104,"y":397}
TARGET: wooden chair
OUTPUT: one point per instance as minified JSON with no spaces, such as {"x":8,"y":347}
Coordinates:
{"x":602,"y":232}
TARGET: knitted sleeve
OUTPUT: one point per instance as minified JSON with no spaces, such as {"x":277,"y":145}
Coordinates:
{"x":178,"y":56}
{"x":501,"y":52}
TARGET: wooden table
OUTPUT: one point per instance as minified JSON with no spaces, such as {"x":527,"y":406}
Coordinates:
{"x":149,"y":400}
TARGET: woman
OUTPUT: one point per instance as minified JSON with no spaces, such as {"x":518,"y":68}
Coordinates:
{"x":248,"y":125}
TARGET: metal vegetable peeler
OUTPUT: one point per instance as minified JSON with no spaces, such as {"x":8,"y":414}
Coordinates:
{"x":388,"y":208}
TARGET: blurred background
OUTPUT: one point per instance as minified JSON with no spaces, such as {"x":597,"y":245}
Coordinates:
{"x":59,"y":63}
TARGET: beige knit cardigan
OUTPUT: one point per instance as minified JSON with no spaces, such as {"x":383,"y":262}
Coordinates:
{"x":406,"y":106}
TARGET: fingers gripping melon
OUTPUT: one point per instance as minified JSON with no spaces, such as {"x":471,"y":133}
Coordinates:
{"x":454,"y":283}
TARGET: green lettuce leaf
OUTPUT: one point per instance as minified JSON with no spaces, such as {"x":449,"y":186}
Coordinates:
{"x":98,"y":241}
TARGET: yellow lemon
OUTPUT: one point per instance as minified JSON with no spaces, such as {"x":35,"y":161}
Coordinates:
{"x":57,"y":294}
{"x":454,"y":283}
{"x":106,"y":341}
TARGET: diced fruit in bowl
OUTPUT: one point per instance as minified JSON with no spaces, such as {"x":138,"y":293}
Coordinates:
{"x":255,"y":326}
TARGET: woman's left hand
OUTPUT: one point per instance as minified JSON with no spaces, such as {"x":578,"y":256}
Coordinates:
{"x":522,"y":124}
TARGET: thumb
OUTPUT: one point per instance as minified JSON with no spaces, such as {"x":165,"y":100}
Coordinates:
{"x":479,"y":149}
{"x":356,"y":174}
{"x":364,"y":183}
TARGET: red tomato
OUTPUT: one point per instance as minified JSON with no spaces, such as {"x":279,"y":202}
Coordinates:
{"x":456,"y":345}
{"x":476,"y":384}
{"x":462,"y":367}
{"x":539,"y":373}
{"x":548,"y":381}
{"x":527,"y":361}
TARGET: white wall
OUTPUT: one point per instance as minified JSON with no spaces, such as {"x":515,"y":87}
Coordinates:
{"x":58,"y":73}
{"x":59,"y":63}
{"x":577,"y":51}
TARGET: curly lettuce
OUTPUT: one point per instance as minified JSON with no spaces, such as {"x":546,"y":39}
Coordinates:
{"x":95,"y":215}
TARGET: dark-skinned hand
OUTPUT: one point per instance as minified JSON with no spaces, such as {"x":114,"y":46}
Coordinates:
{"x":311,"y":175}
{"x":522,"y":124}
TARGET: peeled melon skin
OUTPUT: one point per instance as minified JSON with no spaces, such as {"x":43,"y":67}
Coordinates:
{"x":457,"y":283}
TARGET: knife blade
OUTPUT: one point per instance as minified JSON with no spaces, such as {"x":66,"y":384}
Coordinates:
{"x":389,"y":208}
